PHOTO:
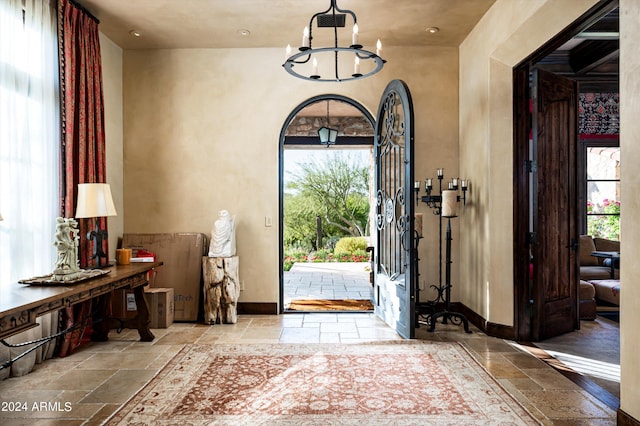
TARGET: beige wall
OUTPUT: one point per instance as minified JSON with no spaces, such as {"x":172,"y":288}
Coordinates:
{"x":112,"y":88}
{"x":201,"y":133}
{"x":508,"y":33}
{"x":630,"y":182}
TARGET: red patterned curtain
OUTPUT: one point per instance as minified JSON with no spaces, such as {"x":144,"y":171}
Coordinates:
{"x":83,"y":137}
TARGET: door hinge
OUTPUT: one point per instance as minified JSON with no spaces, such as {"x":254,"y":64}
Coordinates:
{"x":532,"y":166}
{"x":532,"y":238}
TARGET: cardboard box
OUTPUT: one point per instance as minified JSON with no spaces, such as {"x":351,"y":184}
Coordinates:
{"x":160,"y":301}
{"x":123,"y":304}
{"x":181,"y":254}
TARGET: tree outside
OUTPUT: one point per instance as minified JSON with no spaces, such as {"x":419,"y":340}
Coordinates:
{"x":326,"y":198}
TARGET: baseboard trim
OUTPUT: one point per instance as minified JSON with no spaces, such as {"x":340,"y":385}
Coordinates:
{"x":625,"y":419}
{"x":256,"y":308}
{"x":489,"y":328}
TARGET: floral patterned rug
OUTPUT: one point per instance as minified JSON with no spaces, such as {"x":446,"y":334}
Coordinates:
{"x":396,"y":382}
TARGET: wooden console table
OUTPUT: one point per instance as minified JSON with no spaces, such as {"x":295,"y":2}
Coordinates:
{"x":21,"y":304}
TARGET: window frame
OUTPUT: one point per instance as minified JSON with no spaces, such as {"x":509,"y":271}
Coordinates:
{"x":585,"y":144}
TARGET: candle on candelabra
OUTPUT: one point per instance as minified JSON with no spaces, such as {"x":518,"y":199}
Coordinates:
{"x":429,"y":184}
{"x":449,"y":203}
{"x":440,"y":172}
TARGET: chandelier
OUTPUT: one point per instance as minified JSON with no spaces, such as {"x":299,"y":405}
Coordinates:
{"x":347,"y":63}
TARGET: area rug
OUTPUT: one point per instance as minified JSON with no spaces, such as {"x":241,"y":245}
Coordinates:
{"x":327,"y":305}
{"x":381,"y":383}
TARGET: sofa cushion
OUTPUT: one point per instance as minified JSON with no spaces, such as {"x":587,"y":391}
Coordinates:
{"x":603,"y":244}
{"x":587,"y":246}
{"x":587,"y":290}
{"x":607,"y":290}
{"x":589,"y":273}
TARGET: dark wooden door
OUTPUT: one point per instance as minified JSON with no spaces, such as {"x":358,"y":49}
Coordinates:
{"x":554,"y":206}
{"x":394,"y":264}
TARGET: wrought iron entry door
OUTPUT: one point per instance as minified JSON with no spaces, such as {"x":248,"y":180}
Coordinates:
{"x":393,"y":290}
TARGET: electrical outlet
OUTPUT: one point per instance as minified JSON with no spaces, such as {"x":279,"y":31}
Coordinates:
{"x":241,"y":285}
{"x":268,"y":221}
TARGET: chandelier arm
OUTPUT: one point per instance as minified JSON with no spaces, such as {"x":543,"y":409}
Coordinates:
{"x":334,"y":5}
{"x":301,"y":61}
{"x":335,"y":38}
{"x":364,"y":54}
{"x":315,"y":17}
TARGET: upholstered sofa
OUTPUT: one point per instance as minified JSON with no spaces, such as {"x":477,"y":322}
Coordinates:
{"x":595,"y":268}
{"x":596,"y":283}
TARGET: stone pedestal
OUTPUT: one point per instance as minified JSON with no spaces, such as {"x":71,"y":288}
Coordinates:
{"x":221,"y":289}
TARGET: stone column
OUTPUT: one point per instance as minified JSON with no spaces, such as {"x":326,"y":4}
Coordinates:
{"x":221,"y":289}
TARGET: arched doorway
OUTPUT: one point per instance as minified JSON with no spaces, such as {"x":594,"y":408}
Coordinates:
{"x":345,"y":142}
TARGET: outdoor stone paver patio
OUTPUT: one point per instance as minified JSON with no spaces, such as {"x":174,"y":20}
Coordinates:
{"x":329,"y":280}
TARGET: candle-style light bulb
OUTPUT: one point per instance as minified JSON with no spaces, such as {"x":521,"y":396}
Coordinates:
{"x":356,"y":66}
{"x":464,"y":184}
{"x":378,"y":47}
{"x":440,"y":172}
{"x":315,"y":66}
{"x":287,"y":52}
{"x":354,"y":36}
{"x":305,"y":37}
{"x":429,"y":184}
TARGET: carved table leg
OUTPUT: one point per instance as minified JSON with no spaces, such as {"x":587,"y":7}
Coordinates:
{"x":143,"y":318}
{"x":101,"y":318}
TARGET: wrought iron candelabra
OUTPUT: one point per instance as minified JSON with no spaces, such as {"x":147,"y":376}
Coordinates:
{"x":444,"y":205}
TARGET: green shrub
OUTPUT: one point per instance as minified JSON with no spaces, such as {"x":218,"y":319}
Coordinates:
{"x":350,"y":245}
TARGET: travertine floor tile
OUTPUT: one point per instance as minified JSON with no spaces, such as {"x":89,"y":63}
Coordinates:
{"x":119,"y":387}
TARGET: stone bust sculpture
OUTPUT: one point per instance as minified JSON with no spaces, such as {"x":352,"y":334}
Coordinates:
{"x":223,"y":236}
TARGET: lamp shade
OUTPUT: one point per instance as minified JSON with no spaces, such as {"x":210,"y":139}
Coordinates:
{"x":94,"y":200}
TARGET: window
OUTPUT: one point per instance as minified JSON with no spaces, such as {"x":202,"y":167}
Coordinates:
{"x":29,"y":138}
{"x":602,"y":189}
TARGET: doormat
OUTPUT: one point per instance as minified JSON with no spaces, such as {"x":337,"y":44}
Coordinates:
{"x":382,"y":383}
{"x":327,"y":305}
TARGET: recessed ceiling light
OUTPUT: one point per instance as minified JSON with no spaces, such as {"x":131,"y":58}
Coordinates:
{"x":244,"y":33}
{"x":432,"y":30}
{"x":135,"y":33}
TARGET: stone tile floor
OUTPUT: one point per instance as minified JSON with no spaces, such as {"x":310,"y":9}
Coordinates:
{"x":93,"y":382}
{"x":330,"y":280}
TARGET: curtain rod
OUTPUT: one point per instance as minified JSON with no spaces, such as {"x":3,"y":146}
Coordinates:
{"x":84,"y":9}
